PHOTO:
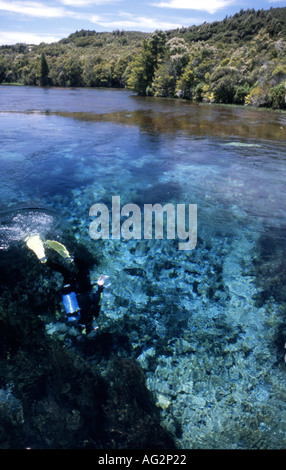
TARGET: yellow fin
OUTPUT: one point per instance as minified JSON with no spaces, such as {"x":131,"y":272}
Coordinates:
{"x":35,"y":244}
{"x":59,"y":248}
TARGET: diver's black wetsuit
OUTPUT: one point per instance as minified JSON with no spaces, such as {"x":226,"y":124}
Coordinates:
{"x":78,"y":281}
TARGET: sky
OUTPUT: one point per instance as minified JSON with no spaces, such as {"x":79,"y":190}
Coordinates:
{"x":33,"y":22}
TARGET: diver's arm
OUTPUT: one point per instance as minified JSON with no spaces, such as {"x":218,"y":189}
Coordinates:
{"x":97,"y":296}
{"x":100,"y":287}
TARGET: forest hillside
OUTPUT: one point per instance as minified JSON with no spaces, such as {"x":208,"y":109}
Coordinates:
{"x":239,"y":60}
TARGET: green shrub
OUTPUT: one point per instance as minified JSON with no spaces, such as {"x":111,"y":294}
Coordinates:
{"x":278,"y":96}
{"x":224,"y":90}
{"x":241,"y":91}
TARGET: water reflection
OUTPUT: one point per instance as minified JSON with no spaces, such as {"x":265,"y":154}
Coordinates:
{"x":152,"y":115}
{"x":197,"y":120}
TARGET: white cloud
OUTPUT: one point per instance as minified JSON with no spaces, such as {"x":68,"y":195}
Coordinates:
{"x":79,"y":3}
{"x":39,"y":10}
{"x":107,"y":21}
{"x":32,"y":9}
{"x":14,"y":37}
{"x":86,"y":3}
{"x":129,"y":21}
{"x":211,"y":6}
{"x":140,"y":23}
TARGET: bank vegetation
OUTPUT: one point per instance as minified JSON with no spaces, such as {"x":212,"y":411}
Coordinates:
{"x":239,"y":60}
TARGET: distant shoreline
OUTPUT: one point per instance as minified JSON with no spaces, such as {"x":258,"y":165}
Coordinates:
{"x":225,"y":105}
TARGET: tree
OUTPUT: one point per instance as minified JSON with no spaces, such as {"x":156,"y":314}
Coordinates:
{"x":223,"y":84}
{"x":44,"y":71}
{"x":224,"y":90}
{"x":186,"y":84}
{"x":74,"y":72}
{"x":164,"y":83}
{"x":2,"y":71}
{"x":145,"y":64}
{"x":278,"y":96}
{"x":142,"y":71}
{"x":241,"y":91}
{"x":171,"y":67}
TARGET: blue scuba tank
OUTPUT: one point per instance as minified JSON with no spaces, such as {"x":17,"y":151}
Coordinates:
{"x":70,"y":302}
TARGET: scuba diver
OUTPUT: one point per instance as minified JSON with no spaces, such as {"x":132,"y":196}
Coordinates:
{"x":81,"y":303}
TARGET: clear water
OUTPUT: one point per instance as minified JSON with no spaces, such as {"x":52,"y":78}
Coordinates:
{"x":207,"y":326}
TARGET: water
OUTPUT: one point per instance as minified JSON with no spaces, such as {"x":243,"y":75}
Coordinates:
{"x":207,"y":325}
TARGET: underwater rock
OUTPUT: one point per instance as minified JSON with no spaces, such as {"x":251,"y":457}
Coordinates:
{"x":134,"y":271}
{"x":191,"y":324}
{"x":11,"y":408}
{"x":144,"y":358}
{"x":162,"y":401}
{"x":182,"y":346}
